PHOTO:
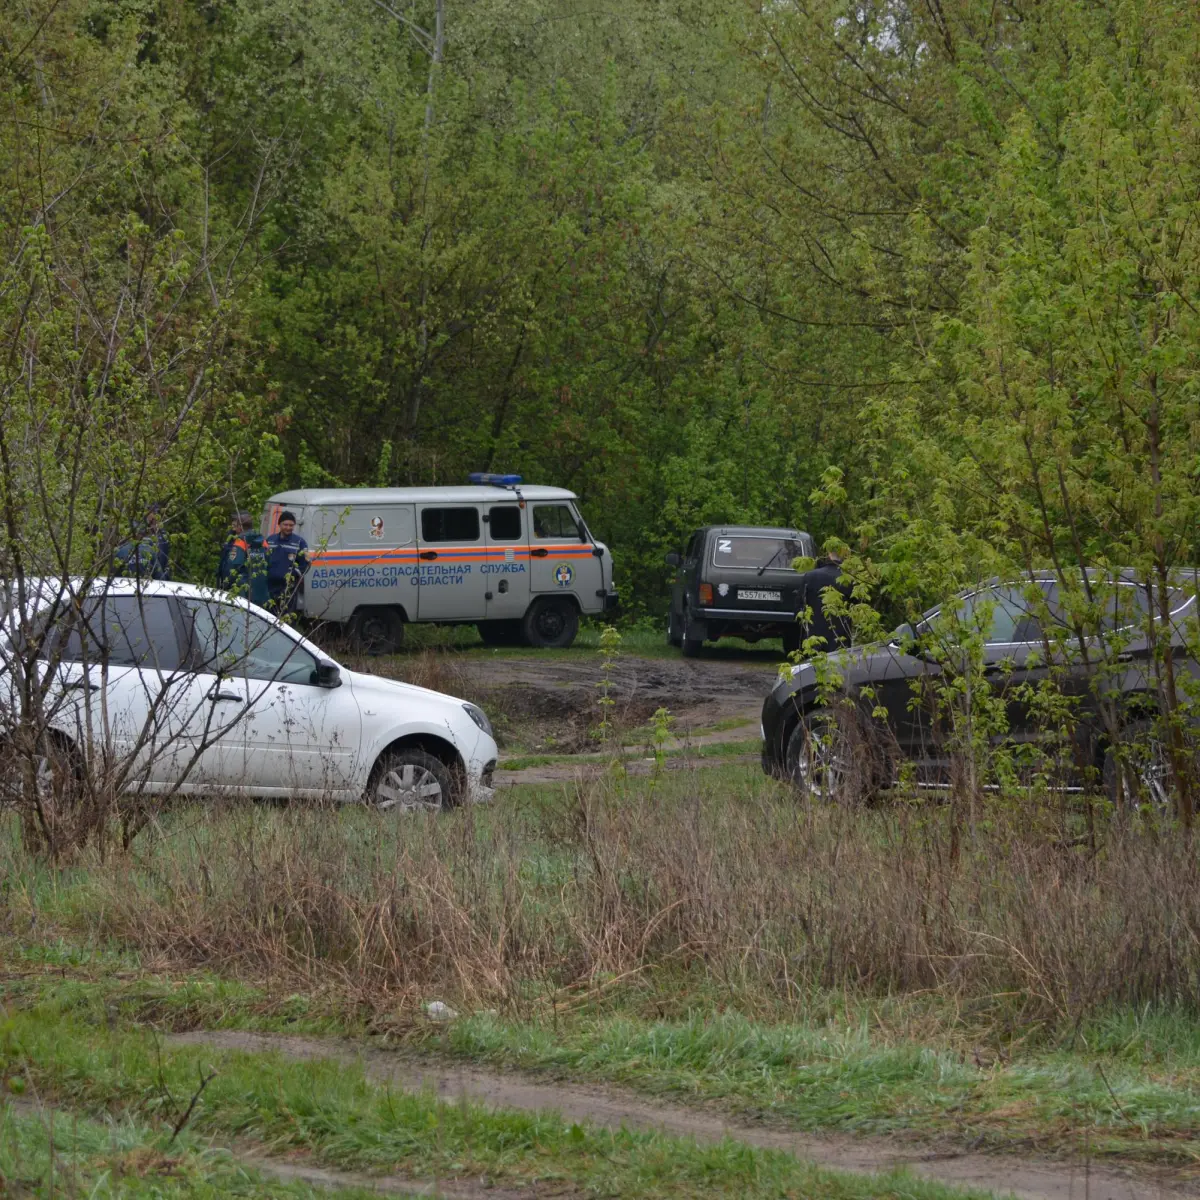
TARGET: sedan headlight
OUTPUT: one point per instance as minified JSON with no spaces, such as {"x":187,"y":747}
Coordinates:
{"x":479,"y":717}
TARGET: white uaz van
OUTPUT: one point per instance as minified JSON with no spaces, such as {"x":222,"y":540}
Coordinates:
{"x":516,"y":561}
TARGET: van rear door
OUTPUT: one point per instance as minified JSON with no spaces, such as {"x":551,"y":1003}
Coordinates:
{"x":506,"y":571}
{"x":362,"y":555}
{"x":451,"y":555}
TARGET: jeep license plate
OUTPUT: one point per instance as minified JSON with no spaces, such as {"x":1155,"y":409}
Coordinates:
{"x":752,"y":594}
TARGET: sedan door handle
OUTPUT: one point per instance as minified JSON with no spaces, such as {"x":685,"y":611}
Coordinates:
{"x":428,"y":554}
{"x":217,"y":696}
{"x":538,"y":553}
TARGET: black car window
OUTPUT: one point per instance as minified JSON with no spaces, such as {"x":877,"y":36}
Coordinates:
{"x":1002,"y":615}
{"x":554,"y":522}
{"x":227,"y":639}
{"x":504,"y":523}
{"x":1125,"y":606}
{"x":450,"y":525}
{"x":749,"y":552}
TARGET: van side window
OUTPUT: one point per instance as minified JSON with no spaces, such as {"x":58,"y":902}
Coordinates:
{"x":450,"y":525}
{"x":504,"y":523}
{"x":553,"y":521}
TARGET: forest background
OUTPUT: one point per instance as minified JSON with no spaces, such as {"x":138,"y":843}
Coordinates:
{"x":920,"y":277}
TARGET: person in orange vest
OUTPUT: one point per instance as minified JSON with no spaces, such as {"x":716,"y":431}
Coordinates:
{"x":243,"y":565}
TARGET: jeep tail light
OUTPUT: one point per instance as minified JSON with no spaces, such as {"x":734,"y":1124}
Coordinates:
{"x":706,"y":593}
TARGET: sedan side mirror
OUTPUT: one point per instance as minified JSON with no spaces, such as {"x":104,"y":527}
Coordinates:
{"x":673,"y":559}
{"x":327,"y":675}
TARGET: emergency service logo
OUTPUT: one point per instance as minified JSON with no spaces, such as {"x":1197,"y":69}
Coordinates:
{"x":563,"y":574}
{"x":377,"y":527}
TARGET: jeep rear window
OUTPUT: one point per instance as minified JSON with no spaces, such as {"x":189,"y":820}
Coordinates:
{"x":745,"y":552}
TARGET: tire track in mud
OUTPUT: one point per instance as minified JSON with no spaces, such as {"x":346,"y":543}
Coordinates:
{"x":612,"y":1108}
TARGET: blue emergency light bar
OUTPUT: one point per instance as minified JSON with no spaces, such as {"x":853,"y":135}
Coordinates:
{"x":486,"y":477}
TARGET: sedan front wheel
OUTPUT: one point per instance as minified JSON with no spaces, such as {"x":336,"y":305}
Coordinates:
{"x":817,"y":759}
{"x":407,"y":781}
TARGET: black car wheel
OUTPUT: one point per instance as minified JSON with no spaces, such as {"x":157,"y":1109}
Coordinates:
{"x":551,"y":623}
{"x":376,"y":631}
{"x":692,"y":645}
{"x":407,"y":781}
{"x":817,"y":759}
{"x":674,"y":636}
{"x":1137,"y":772}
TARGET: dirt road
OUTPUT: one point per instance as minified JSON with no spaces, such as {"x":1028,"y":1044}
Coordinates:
{"x":552,"y":705}
{"x":613,"y":1108}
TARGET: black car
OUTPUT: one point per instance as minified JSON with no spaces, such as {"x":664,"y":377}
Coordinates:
{"x":894,"y":715}
{"x":737,"y":581}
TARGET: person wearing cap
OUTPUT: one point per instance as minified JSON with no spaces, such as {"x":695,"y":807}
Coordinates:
{"x":243,"y":565}
{"x":287,"y":560}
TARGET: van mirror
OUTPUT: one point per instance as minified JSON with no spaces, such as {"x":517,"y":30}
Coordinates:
{"x":673,"y":559}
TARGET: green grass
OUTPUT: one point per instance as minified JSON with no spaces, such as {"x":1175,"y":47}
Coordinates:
{"x":331,"y":1111}
{"x":48,"y":1152}
{"x":848,"y":1078}
{"x":1128,"y":1088}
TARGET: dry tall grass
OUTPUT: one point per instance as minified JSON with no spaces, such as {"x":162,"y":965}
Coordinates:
{"x":751,"y":898}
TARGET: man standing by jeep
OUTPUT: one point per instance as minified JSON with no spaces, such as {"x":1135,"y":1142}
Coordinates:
{"x":833,"y":628}
{"x":287,"y":560}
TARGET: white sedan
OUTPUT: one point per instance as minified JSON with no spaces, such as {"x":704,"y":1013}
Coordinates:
{"x":181,"y":688}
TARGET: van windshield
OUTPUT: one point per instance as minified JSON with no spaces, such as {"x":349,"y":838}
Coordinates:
{"x":745,"y":552}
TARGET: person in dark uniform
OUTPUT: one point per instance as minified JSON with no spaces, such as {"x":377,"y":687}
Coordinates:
{"x":146,"y":554}
{"x":287,"y":560}
{"x":834,"y":629}
{"x":243,"y":565}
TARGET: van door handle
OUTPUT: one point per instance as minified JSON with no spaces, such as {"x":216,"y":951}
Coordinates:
{"x":81,"y":685}
{"x":428,"y":554}
{"x":216,"y":697}
{"x":598,"y":551}
{"x":538,"y":552}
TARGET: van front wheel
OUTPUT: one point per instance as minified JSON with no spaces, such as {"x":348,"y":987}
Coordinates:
{"x":551,"y":623}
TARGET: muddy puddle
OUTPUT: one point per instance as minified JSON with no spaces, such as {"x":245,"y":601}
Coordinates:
{"x":613,"y":1108}
{"x":552,"y":705}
